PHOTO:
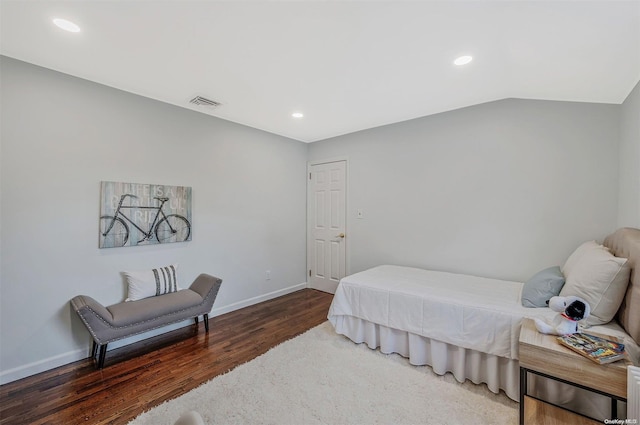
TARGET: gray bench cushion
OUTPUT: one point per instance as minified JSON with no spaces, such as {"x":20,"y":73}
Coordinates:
{"x":127,"y":313}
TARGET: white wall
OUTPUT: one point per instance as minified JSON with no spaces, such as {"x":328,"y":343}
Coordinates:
{"x":502,"y":189}
{"x":629,"y":203}
{"x":60,"y":137}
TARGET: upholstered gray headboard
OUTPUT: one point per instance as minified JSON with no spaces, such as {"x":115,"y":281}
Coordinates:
{"x":625,"y":243}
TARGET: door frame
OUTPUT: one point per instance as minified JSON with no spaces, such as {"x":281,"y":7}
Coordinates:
{"x":346,"y":241}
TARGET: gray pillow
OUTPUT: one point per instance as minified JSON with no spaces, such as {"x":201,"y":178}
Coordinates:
{"x":542,"y":286}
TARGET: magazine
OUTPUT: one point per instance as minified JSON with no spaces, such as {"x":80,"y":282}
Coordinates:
{"x":598,"y":349}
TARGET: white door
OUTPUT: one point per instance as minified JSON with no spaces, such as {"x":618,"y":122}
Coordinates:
{"x":326,"y":209}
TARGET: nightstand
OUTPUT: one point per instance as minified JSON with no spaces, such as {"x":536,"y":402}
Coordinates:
{"x":542,"y":355}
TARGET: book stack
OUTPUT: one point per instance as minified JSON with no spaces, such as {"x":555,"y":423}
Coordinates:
{"x":595,"y":348}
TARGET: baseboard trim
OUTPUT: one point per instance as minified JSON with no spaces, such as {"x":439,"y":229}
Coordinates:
{"x":42,"y":365}
{"x":255,"y":300}
{"x":80,"y":354}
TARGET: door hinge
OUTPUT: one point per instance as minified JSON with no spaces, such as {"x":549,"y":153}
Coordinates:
{"x":309,"y":176}
{"x":309,"y":272}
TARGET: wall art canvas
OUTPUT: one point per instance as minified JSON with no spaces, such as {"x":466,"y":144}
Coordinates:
{"x":142,"y":214}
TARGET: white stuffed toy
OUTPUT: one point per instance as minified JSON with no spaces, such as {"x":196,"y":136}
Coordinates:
{"x":571,"y":310}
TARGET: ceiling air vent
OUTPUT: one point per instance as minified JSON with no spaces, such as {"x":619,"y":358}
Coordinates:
{"x":202,"y":101}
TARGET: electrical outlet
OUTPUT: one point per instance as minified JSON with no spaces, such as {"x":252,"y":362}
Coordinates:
{"x":359,"y":214}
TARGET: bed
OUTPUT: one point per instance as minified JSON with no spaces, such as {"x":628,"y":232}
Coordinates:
{"x":469,"y":325}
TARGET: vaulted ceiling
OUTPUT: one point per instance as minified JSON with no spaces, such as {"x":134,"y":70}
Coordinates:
{"x":346,"y":65}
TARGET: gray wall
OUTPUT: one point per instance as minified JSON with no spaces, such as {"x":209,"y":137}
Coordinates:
{"x":61,"y":136}
{"x":629,"y":210}
{"x":501,"y":189}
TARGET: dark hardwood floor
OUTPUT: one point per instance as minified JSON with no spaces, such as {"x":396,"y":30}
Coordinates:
{"x":144,"y":374}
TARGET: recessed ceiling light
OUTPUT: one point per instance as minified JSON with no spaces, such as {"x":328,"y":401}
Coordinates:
{"x":66,"y":25}
{"x":297,"y":115}
{"x":463,"y":60}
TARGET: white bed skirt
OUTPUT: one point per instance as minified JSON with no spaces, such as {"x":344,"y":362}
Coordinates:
{"x":498,"y":373}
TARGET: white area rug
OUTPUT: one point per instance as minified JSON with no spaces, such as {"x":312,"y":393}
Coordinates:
{"x":321,"y":377}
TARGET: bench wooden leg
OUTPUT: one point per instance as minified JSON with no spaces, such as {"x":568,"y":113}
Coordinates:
{"x":205,"y":318}
{"x":94,"y":349}
{"x":195,"y":319}
{"x":103,"y":354}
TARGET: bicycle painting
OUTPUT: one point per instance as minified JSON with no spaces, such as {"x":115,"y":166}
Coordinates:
{"x":141,"y":214}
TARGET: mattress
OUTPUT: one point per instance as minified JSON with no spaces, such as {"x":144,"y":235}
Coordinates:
{"x":472,"y":312}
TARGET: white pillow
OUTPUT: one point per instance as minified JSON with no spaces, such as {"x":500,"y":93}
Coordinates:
{"x":596,"y":275}
{"x":577,"y":254}
{"x":149,"y":283}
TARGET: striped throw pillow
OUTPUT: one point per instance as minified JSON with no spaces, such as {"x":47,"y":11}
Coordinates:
{"x":151,"y":283}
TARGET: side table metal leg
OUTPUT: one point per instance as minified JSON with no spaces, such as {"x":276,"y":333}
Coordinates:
{"x":614,"y":408}
{"x":523,"y":392}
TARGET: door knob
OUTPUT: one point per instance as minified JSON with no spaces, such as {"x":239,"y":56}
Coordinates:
{"x":341,"y":235}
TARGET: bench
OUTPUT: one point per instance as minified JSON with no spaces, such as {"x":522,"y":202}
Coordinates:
{"x":125,"y":319}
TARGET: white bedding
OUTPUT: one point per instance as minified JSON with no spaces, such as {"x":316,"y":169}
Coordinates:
{"x":462,"y":324}
{"x":467,"y":311}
